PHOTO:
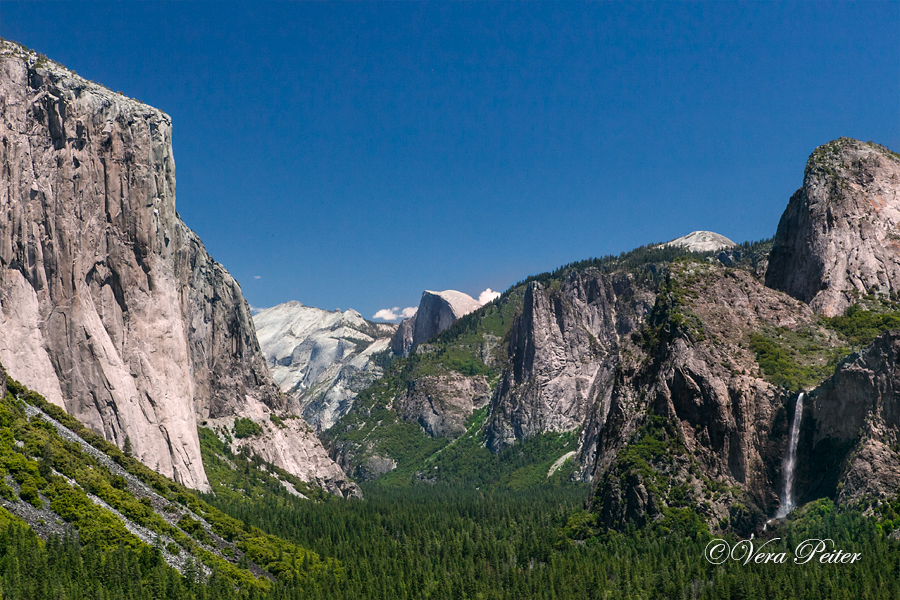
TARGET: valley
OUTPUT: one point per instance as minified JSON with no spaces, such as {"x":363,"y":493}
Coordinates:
{"x":585,"y":434}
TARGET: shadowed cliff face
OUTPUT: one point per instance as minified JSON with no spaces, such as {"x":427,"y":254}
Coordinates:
{"x":848,"y":445}
{"x":838,"y":237}
{"x":111,"y":306}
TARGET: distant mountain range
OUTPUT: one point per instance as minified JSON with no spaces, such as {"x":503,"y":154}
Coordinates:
{"x":675,"y":369}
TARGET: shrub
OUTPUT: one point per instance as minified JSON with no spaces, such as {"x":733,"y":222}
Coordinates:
{"x":29,"y":494}
{"x":244,"y":428}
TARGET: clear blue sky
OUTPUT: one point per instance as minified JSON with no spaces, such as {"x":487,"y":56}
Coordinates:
{"x":353,"y":155}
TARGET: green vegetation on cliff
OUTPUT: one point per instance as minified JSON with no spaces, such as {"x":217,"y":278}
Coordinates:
{"x":477,"y":345}
{"x":804,"y":358}
{"x":81,"y":485}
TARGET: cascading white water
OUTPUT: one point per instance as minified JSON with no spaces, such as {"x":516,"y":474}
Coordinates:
{"x":788,"y":504}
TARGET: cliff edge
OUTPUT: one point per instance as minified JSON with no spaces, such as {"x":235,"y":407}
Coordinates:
{"x":109,"y":305}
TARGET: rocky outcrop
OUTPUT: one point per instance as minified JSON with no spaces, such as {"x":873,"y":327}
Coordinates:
{"x":443,"y":403}
{"x":321,"y":359}
{"x":437,"y":311}
{"x":402,"y":341}
{"x":109,"y":305}
{"x":702,"y":241}
{"x":849,"y":439}
{"x":838,"y":238}
{"x":289,"y":444}
{"x":696,"y":408}
{"x":563,"y":352}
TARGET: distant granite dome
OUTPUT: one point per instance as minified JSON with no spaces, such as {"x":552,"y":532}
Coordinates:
{"x":437,"y":311}
{"x":702,"y":241}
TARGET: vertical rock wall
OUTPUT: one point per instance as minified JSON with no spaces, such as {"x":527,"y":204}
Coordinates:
{"x":109,"y":305}
{"x":563,"y":352}
{"x":838,"y":237}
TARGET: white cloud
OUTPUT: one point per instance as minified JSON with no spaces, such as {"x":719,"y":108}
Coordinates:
{"x":256,"y":277}
{"x":393,"y":314}
{"x":487,"y":295}
{"x":385,"y":313}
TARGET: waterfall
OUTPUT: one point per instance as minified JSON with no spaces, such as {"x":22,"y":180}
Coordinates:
{"x":788,"y":504}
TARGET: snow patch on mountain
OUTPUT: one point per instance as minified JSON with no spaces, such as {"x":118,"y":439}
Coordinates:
{"x":321,"y":359}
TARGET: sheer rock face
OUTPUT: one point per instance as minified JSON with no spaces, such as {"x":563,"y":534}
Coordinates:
{"x":838,"y":237}
{"x":443,"y":403}
{"x":109,"y":305}
{"x":321,"y":359}
{"x":732,"y":422}
{"x":852,"y":427}
{"x":437,"y":312}
{"x":402,"y":341}
{"x":563,"y":351}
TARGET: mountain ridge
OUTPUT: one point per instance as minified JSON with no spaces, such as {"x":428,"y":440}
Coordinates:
{"x":321,"y":359}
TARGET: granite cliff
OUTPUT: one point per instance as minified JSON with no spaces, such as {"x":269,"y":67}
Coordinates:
{"x":702,"y":420}
{"x":838,"y":238}
{"x":851,"y":434}
{"x":437,"y":311}
{"x":563,"y":352}
{"x":109,"y":304}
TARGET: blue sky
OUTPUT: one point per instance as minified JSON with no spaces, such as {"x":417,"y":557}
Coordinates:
{"x":353,"y":155}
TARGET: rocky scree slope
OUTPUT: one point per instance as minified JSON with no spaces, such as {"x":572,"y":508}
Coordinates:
{"x":109,"y":305}
{"x":321,"y":359}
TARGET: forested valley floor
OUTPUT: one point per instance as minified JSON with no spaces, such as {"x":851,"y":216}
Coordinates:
{"x":451,"y":542}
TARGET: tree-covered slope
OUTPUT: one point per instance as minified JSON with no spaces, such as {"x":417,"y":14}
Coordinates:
{"x":436,"y":542}
{"x":64,"y":482}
